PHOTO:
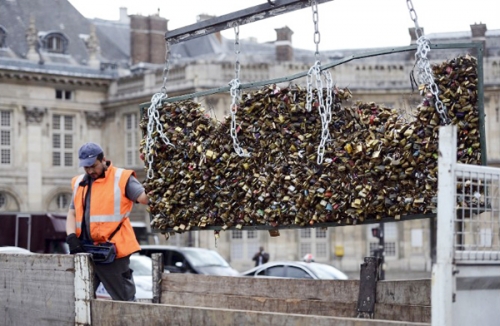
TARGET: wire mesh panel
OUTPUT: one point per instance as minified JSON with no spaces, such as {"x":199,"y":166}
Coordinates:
{"x":477,"y":224}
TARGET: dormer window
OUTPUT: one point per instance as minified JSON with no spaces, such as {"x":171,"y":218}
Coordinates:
{"x":55,"y":42}
{"x":3,"y":37}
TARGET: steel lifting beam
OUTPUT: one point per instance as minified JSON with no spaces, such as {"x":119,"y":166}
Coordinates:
{"x":240,"y":17}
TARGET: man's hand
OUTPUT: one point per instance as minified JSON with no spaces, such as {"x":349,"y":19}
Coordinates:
{"x":143,"y":199}
{"x":75,"y":246}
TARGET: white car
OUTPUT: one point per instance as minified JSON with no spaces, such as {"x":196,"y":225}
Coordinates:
{"x":143,"y":279}
{"x":296,"y":269}
{"x":190,"y":260}
{"x":15,"y":250}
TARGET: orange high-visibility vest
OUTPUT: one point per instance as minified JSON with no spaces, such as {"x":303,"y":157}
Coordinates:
{"x":108,"y":207}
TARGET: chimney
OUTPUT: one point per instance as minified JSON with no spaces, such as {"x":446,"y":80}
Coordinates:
{"x":284,"y":49}
{"x":479,"y":33}
{"x":157,"y":46}
{"x":147,"y":39}
{"x":413,"y":34}
{"x":203,"y":17}
{"x":124,"y":16}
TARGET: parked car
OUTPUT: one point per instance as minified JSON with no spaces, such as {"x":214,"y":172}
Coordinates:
{"x":142,"y":233}
{"x":191,"y":260}
{"x":15,"y":250}
{"x":296,"y":269}
{"x":143,"y":278}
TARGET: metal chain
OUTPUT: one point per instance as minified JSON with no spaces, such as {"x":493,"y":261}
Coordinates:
{"x":235,"y":95}
{"x":425,"y":75}
{"x":324,"y":109}
{"x":154,"y":117}
{"x":317,"y":36}
{"x":316,"y":71}
{"x":166,"y":69}
{"x":329,"y":95}
{"x":154,"y":121}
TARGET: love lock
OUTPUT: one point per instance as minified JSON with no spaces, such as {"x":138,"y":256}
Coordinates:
{"x":376,"y":164}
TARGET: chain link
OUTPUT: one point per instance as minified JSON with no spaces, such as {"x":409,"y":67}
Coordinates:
{"x":316,"y":71}
{"x":166,"y":69}
{"x":324,"y":109}
{"x":155,"y":129}
{"x":237,"y":66}
{"x":425,"y":75}
{"x":236,"y":95}
{"x":329,"y":95}
{"x":317,"y":35}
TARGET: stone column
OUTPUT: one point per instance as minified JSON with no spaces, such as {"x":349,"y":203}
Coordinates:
{"x":34,"y":118}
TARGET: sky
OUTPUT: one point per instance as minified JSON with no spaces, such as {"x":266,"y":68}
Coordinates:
{"x":343,"y":24}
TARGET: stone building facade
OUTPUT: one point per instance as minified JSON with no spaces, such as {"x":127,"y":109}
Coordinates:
{"x":66,"y":80}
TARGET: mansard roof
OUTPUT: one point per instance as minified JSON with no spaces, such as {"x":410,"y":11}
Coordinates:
{"x":492,"y":48}
{"x":114,"y":42}
{"x":53,"y":16}
{"x":49,"y":16}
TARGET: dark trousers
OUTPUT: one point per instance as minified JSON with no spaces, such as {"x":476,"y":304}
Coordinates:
{"x":116,"y":278}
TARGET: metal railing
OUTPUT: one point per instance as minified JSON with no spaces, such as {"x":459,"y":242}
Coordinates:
{"x":468,"y":224}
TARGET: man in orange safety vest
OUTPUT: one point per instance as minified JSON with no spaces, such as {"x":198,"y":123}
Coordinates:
{"x":98,"y":220}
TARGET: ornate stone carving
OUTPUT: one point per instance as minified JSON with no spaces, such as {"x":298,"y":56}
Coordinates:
{"x":93,"y":48}
{"x":94,"y":119}
{"x":31,"y":34}
{"x":32,"y":40}
{"x":34,"y":115}
{"x":109,"y":115}
{"x":93,"y":42}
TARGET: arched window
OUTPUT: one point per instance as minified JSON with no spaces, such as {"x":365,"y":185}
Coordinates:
{"x":55,"y":42}
{"x":3,"y":37}
{"x":63,"y":201}
{"x":8,"y":203}
{"x":60,"y":202}
{"x":3,"y":200}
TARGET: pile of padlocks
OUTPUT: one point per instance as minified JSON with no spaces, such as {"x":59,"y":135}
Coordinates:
{"x":376,"y":163}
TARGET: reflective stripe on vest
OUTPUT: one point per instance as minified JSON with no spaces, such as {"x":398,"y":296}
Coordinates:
{"x":77,"y":184}
{"x":116,"y":216}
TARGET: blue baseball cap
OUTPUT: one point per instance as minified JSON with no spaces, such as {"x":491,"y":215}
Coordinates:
{"x":88,"y":154}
